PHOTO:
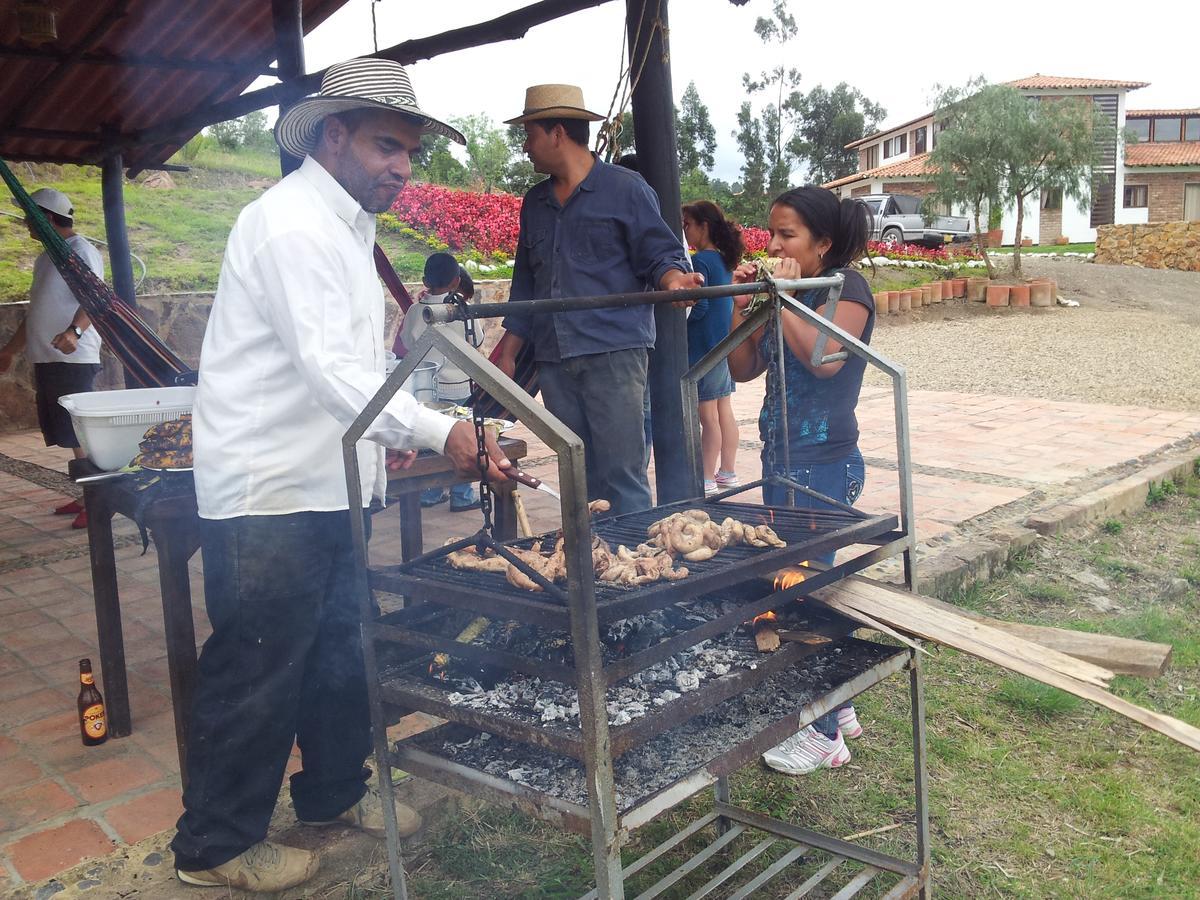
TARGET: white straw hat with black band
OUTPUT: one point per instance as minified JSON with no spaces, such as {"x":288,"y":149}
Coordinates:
{"x":356,"y":84}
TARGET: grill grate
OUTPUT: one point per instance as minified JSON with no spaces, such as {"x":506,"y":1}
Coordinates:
{"x":808,"y":532}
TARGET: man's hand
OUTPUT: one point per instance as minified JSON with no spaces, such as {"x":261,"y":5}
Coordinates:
{"x":398,"y":460}
{"x":463,"y":450}
{"x":506,"y":359}
{"x":65,"y":342}
{"x":676,"y":280}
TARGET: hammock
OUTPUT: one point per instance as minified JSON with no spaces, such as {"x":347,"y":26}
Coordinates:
{"x":526,"y":371}
{"x":141,"y":351}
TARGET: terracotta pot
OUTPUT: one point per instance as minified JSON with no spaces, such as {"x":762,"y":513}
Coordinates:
{"x":906,"y":300}
{"x":960,"y":287}
{"x":1026,"y":242}
{"x":935,"y":291}
{"x":977,"y":289}
{"x":893,"y":302}
{"x":1062,"y":240}
{"x":880,"y":301}
{"x":926,"y":294}
{"x":997,"y":295}
{"x":995,"y":236}
{"x":948,"y":289}
{"x":1039,"y":292}
{"x":1018,"y":295}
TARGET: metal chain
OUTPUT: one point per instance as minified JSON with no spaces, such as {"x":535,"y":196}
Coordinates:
{"x":477,"y":419}
{"x":774,"y":407}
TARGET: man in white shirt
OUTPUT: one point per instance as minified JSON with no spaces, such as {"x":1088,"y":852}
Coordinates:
{"x":292,"y":353}
{"x":57,"y":336}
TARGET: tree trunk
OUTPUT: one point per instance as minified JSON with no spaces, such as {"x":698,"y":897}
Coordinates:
{"x":1016,"y":266}
{"x":982,"y":244}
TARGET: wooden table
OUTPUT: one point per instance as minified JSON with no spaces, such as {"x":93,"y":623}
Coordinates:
{"x":174,"y":525}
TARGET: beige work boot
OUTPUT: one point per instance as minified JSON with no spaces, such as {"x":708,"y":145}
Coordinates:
{"x":367,"y":815}
{"x":267,"y":868}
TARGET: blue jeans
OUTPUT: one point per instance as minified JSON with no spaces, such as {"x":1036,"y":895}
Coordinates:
{"x":842,"y":480}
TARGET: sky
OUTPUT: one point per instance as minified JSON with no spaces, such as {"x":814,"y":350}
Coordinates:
{"x":895,"y":58}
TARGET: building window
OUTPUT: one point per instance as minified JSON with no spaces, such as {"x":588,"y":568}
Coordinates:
{"x":1191,"y":203}
{"x":919,"y":139}
{"x":872,"y":156}
{"x":1135,"y":196}
{"x":1191,"y":128}
{"x":895,"y":146}
{"x":1139,"y":129}
{"x":1167,"y":129}
{"x":1052,"y":198}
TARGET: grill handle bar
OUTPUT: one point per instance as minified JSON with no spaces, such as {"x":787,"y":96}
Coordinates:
{"x":449,"y":312}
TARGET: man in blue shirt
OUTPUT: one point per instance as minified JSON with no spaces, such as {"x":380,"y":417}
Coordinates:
{"x":590,"y":228}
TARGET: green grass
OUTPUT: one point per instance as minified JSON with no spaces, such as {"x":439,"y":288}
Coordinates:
{"x":179,"y":233}
{"x":1026,"y":695}
{"x":1049,"y":592}
{"x":1050,"y":248}
{"x":1112,"y":526}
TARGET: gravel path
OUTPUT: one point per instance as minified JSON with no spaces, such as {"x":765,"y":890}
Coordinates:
{"x":1134,"y":340}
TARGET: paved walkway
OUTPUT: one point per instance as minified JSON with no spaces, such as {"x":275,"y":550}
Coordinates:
{"x":979,"y":461}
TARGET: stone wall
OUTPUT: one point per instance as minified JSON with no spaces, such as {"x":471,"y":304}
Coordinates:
{"x":1170,"y":245}
{"x":180,"y":320}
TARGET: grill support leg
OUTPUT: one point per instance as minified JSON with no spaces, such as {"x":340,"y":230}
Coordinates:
{"x":916,"y":682}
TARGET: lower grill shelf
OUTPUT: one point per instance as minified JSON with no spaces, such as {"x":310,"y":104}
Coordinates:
{"x":657,"y":774}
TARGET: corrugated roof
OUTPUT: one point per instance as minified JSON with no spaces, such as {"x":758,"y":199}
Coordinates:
{"x":1174,"y":153}
{"x":1151,"y":113}
{"x":914,"y":165}
{"x":132,"y":64}
{"x":1041,"y":82}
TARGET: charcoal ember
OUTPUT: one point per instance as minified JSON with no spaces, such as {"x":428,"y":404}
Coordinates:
{"x":687,"y":681}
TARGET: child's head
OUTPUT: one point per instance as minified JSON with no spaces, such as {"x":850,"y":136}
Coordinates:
{"x":441,"y":273}
{"x":812,"y":226}
{"x":466,"y":284}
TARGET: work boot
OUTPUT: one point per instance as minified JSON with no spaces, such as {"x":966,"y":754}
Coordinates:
{"x":266,"y":868}
{"x":367,"y":815}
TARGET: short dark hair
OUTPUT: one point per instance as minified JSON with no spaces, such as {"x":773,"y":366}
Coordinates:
{"x":629,"y":161}
{"x":578,"y":130}
{"x":440,"y":270}
{"x":60,"y":221}
{"x":847,"y":223}
{"x":466,"y":284}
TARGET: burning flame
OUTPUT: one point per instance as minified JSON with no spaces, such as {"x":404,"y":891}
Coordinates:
{"x":787,"y":578}
{"x":766,"y":618}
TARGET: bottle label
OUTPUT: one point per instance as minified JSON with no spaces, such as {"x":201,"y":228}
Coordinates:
{"x":86,"y":678}
{"x":93,"y":721}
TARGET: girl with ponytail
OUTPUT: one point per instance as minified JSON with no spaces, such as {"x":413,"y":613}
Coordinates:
{"x":813,"y":233}
{"x":719,"y":249}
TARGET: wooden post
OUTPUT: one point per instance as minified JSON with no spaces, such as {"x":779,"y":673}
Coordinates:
{"x":658,"y":162}
{"x":287,"y":17}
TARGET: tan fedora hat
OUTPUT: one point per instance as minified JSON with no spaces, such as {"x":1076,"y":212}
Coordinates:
{"x":363,"y":83}
{"x":554,"y":101}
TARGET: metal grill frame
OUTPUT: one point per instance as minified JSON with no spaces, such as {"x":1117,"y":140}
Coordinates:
{"x":603,"y":822}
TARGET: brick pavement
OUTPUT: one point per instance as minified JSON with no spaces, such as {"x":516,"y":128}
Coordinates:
{"x":60,"y":802}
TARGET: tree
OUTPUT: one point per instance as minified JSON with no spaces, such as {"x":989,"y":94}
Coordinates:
{"x":1051,"y":144}
{"x":966,"y":161}
{"x":519,"y":176}
{"x":694,"y":132}
{"x":1010,"y":148}
{"x":487,"y":151}
{"x":750,"y":205}
{"x":780,"y":85}
{"x":435,"y":164}
{"x":829,"y":120}
{"x":254,"y":132}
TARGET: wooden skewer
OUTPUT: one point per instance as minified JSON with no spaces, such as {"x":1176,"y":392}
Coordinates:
{"x":524,"y":529}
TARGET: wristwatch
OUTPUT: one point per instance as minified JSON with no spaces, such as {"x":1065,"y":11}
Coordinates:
{"x":77,"y":331}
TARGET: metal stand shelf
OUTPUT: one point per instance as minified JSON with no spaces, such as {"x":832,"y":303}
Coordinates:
{"x":601,"y":809}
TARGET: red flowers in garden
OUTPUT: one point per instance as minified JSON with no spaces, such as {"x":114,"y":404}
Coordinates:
{"x":488,"y":223}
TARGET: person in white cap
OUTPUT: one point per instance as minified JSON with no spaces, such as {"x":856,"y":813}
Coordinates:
{"x":590,"y":228}
{"x":57,"y":336}
{"x":292,"y":353}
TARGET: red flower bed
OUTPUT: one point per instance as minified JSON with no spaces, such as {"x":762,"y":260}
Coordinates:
{"x":942,"y":255}
{"x":756,"y":239}
{"x":462,"y":219}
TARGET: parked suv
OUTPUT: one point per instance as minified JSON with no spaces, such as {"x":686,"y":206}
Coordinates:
{"x":898,"y":220}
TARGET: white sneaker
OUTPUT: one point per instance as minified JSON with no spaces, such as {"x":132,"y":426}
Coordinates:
{"x":848,"y":723}
{"x":710,"y":487}
{"x":806,"y":751}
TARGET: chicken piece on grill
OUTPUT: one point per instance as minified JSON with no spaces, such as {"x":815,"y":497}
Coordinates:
{"x":469,"y":558}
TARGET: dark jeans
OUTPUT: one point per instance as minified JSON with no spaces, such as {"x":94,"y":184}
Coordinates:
{"x":599,"y":397}
{"x":284,"y":663}
{"x":842,"y":480}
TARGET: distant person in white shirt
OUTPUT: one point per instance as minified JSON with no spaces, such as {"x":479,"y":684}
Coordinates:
{"x":57,"y":336}
{"x":292,"y":354}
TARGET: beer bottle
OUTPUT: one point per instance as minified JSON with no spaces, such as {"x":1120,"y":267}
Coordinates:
{"x":93,"y":726}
